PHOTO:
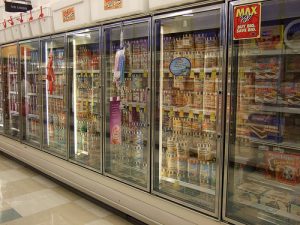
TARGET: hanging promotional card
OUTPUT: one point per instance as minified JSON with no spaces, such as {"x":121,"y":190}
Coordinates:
{"x":247,"y":21}
{"x":17,"y":6}
{"x":115,"y":121}
{"x":119,"y":68}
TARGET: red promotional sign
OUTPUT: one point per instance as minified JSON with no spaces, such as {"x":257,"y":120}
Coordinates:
{"x":247,"y":21}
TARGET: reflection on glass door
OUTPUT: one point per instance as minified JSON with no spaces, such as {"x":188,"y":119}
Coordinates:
{"x":1,"y":95}
{"x":188,"y":81}
{"x":127,"y":77}
{"x":263,"y":177}
{"x":54,"y":95}
{"x":84,"y":73}
{"x":29,"y":64}
{"x":11,"y":85}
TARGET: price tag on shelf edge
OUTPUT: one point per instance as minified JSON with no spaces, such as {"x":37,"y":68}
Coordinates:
{"x":145,"y":74}
{"x":192,"y":74}
{"x":191,"y":114}
{"x":181,"y":113}
{"x":130,"y":108}
{"x":138,"y":108}
{"x":201,"y":116}
{"x":171,"y":112}
{"x":170,"y":74}
{"x":214,"y":74}
{"x":213,"y":117}
{"x":202,"y":74}
{"x":242,"y":73}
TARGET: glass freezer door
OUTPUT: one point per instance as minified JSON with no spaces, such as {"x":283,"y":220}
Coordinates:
{"x":11,"y":90}
{"x":29,"y":63}
{"x":127,"y":74}
{"x":188,"y":83}
{"x":84,"y":74}
{"x":1,"y":95}
{"x":54,"y":95}
{"x":263,"y":173}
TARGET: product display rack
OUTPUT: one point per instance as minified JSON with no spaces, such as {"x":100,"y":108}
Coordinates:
{"x":55,"y":108}
{"x":155,"y":119}
{"x":85,"y":71}
{"x":31,"y":92}
{"x":263,"y":147}
{"x":127,"y":145}
{"x":11,"y":88}
{"x":188,"y":103}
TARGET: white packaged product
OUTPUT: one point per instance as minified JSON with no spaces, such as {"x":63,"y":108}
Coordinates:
{"x":71,"y":14}
{"x":159,"y":4}
{"x":110,"y":9}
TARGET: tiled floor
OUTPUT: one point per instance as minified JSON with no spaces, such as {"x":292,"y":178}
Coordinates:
{"x":28,"y":198}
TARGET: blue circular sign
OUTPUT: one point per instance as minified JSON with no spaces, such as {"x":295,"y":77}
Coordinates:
{"x":180,"y":66}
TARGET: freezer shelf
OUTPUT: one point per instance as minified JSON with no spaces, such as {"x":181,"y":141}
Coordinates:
{"x":54,"y":97}
{"x":11,"y":85}
{"x":128,"y":83}
{"x":263,"y":148}
{"x":29,"y":60}
{"x":188,"y":86}
{"x":85,"y":79}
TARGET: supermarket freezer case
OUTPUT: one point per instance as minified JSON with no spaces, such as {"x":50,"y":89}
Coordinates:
{"x":262,"y":180}
{"x":85,"y":79}
{"x":11,"y":88}
{"x":31,"y":93}
{"x":127,"y":47}
{"x":55,"y":95}
{"x":189,"y":70}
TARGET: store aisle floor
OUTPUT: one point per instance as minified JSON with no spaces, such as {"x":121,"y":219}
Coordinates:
{"x":29,"y":198}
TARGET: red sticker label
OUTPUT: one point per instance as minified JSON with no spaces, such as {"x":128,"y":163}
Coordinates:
{"x":247,"y":21}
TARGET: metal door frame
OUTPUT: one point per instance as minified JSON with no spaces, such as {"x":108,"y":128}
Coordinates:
{"x":100,"y":109}
{"x":45,"y":149}
{"x":39,"y":106}
{"x":229,"y":12}
{"x":149,"y":106}
{"x":220,"y":116}
{"x":5,"y":121}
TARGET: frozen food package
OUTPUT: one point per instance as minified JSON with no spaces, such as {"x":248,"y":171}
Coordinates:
{"x":283,"y":167}
{"x":266,"y":92}
{"x":266,"y":126}
{"x":267,"y":68}
{"x":271,"y":37}
{"x":276,"y":199}
{"x":295,"y":206}
{"x":251,"y":192}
